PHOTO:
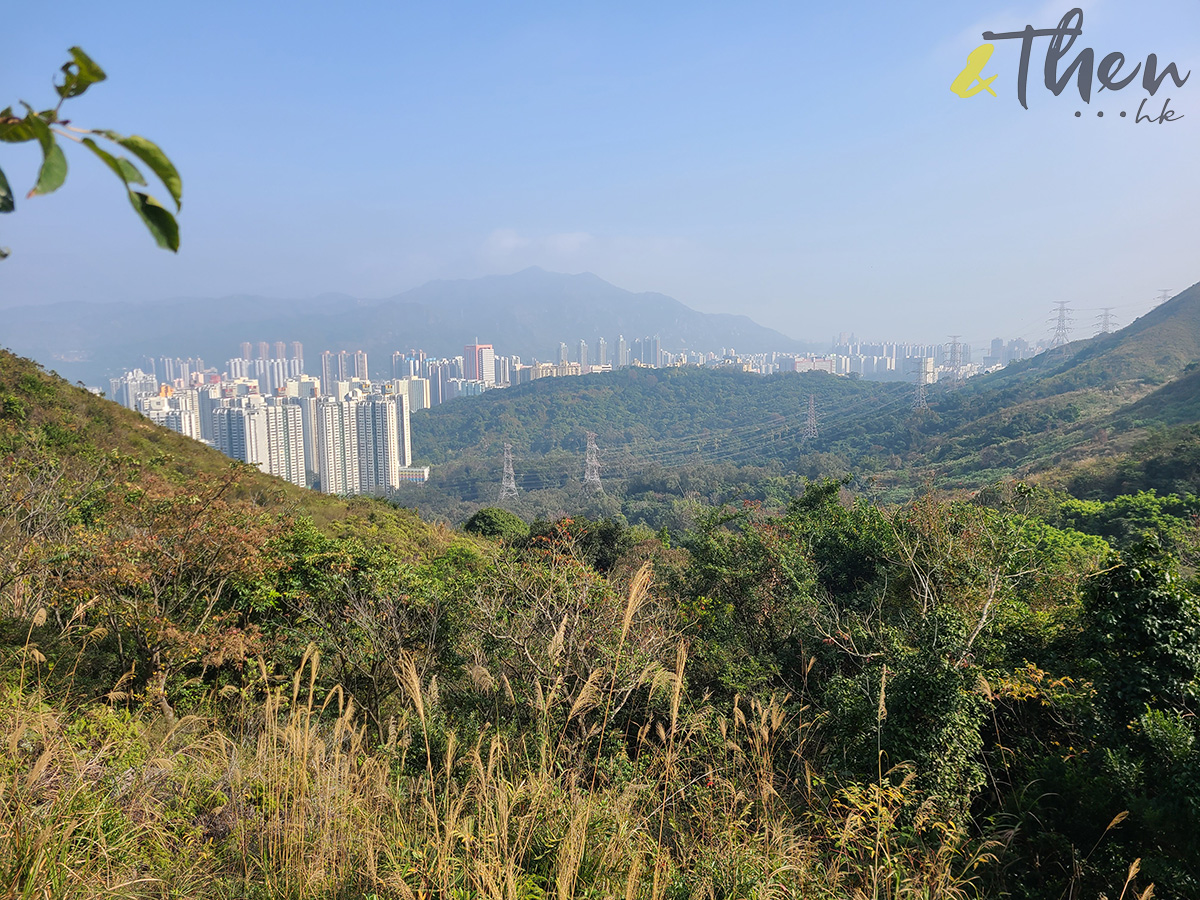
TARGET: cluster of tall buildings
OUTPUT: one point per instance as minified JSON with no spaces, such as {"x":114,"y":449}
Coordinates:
{"x":644,"y":351}
{"x":348,"y":435}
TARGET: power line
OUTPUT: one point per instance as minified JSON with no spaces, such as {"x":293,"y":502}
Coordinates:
{"x":1106,"y":319}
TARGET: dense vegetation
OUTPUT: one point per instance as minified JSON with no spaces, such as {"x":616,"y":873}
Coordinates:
{"x":210,"y":690}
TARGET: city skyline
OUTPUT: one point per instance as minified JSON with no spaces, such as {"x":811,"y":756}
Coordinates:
{"x":348,"y":432}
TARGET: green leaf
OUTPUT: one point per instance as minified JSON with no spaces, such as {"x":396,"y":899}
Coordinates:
{"x":124,"y":169}
{"x":40,"y":129}
{"x":54,"y":164}
{"x":161,"y":223}
{"x":14,"y":130}
{"x":53,"y":172}
{"x":150,"y":153}
{"x":80,"y":74}
{"x":7,"y":203}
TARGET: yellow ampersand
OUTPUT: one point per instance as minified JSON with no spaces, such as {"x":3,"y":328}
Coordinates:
{"x":970,"y":81}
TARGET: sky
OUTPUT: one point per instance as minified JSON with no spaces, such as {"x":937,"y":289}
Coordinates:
{"x":805,"y":164}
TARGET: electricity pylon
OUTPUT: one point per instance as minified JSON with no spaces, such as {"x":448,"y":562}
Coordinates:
{"x":1062,"y":325}
{"x":810,"y":423}
{"x":508,"y":486}
{"x":591,"y":474}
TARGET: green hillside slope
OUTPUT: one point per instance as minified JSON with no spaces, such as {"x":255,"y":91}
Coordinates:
{"x":43,"y":415}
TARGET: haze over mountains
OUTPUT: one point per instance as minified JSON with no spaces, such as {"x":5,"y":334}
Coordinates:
{"x":527,"y":313}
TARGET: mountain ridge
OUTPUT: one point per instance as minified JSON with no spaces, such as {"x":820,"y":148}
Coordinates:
{"x":526,"y":313}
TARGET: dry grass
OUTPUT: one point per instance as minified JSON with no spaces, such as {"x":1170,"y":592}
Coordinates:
{"x":118,"y":805}
{"x":294,"y":802}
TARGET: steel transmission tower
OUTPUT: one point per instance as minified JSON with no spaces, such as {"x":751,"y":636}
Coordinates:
{"x":919,"y":401}
{"x":508,"y":486}
{"x":1106,"y":319}
{"x":1163,"y":293}
{"x":810,"y":423}
{"x":954,"y":360}
{"x":1062,"y":325}
{"x":591,"y":474}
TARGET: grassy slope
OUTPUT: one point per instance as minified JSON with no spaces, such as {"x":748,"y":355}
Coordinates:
{"x":1065,"y":409}
{"x":37,"y":406}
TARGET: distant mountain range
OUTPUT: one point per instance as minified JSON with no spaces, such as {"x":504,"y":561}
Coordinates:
{"x":527,"y":313}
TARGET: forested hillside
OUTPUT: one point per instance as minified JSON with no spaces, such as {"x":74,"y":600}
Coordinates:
{"x":213,"y":686}
{"x":672,"y":435}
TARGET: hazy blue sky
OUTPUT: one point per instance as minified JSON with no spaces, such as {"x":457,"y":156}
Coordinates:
{"x":804,"y":163}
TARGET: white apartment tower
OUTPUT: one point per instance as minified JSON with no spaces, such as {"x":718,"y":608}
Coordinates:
{"x":383,"y":441}
{"x":337,"y":446}
{"x":363,"y":443}
{"x":268,"y":436}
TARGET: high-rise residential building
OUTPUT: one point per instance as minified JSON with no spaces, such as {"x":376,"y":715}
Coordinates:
{"x":360,"y":365}
{"x":622,"y":352}
{"x":602,"y":352}
{"x":479,"y":362}
{"x":246,"y":349}
{"x":308,"y":427}
{"x":342,"y":388}
{"x":176,"y":411}
{"x":329,"y":373}
{"x":439,"y":375}
{"x":302,"y":386}
{"x":563,"y":356}
{"x":363,"y":443}
{"x":337,"y":446}
{"x":285,"y":442}
{"x":264,"y":350}
{"x":229,"y":431}
{"x":416,"y":389}
{"x":265,"y":434}
{"x":131,"y":387}
{"x":583,"y":353}
{"x":503,"y":370}
{"x":280,"y":348}
{"x":274,"y":376}
{"x":297,"y":350}
{"x":208,"y":398}
{"x":383,"y":441}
